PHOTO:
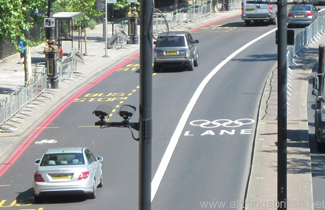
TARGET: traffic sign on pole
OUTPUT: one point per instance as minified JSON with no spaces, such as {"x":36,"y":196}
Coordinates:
{"x":111,"y":1}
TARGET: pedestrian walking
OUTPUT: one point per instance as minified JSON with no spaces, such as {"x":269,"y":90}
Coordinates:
{"x":214,"y":5}
{"x":22,"y":51}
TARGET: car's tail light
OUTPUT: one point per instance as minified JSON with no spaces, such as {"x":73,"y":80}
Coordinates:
{"x":290,"y":15}
{"x":84,"y":175}
{"x":188,"y":53}
{"x":38,"y":178}
{"x":309,"y":14}
{"x":242,"y":8}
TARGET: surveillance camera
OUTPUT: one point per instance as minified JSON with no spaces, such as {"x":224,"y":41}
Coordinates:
{"x":102,"y":111}
{"x":126,"y":111}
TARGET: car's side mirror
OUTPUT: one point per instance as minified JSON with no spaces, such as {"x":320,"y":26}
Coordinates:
{"x":37,"y":161}
{"x":155,"y":42}
{"x":196,"y":41}
{"x":314,"y":92}
{"x":100,"y":159}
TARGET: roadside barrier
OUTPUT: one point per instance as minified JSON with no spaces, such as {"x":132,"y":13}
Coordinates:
{"x":27,"y":93}
{"x":180,"y":16}
{"x":303,"y":40}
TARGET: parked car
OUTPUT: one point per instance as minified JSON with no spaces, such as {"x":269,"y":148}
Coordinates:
{"x":67,"y":171}
{"x":302,"y":14}
{"x":176,"y":48}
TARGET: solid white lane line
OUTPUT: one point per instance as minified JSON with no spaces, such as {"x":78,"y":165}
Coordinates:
{"x":181,"y":124}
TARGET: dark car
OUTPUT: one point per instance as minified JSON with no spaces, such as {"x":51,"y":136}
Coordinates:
{"x":176,"y":49}
{"x":302,"y":14}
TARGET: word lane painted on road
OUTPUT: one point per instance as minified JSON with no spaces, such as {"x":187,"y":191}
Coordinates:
{"x":220,"y":127}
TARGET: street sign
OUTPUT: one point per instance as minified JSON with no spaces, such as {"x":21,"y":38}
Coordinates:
{"x":49,"y":22}
{"x":100,"y":5}
{"x":111,"y":1}
{"x":132,"y":1}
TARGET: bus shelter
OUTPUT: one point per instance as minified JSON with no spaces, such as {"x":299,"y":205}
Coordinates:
{"x":65,"y":24}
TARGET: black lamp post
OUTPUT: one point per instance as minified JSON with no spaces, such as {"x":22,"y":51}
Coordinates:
{"x":51,"y":49}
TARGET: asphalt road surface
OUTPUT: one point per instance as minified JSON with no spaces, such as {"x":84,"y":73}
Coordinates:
{"x":203,"y":128}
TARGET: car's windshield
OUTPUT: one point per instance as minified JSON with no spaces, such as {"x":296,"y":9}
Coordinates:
{"x":62,"y":159}
{"x":171,"y":41}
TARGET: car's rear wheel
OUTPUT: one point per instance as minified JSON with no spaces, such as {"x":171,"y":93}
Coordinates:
{"x":156,"y":67}
{"x":92,"y":195}
{"x":196,"y":61}
{"x":38,"y":198}
{"x":101,"y":182}
{"x":191,"y":65}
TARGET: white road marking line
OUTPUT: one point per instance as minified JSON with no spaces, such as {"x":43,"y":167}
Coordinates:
{"x":181,"y":124}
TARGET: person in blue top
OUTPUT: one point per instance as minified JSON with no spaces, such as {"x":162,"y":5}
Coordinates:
{"x":22,"y":52}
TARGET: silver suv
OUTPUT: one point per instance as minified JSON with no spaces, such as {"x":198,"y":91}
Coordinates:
{"x":176,"y":48}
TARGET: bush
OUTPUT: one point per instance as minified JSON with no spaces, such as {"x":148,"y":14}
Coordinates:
{"x":92,"y":23}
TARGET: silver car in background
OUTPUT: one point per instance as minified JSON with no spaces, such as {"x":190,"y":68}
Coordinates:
{"x":302,"y":14}
{"x":176,"y":49}
{"x":67,"y":171}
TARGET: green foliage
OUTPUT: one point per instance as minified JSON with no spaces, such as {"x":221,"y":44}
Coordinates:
{"x":92,"y":23}
{"x":124,"y":5}
{"x":17,"y":17}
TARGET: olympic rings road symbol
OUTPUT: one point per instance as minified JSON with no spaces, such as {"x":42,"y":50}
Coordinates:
{"x":222,"y":122}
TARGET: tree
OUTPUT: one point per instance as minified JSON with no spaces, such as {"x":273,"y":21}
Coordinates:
{"x":13,"y":24}
{"x":175,"y":4}
{"x":17,"y":17}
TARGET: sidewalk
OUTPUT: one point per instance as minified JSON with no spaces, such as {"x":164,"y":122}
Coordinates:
{"x":262,"y":191}
{"x":263,"y":185}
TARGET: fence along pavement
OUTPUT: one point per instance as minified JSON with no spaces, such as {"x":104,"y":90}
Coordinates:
{"x":27,"y":93}
{"x":176,"y":17}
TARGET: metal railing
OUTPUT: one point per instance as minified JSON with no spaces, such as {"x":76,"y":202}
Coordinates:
{"x":119,"y":38}
{"x":27,"y":93}
{"x":180,"y":16}
{"x":306,"y":37}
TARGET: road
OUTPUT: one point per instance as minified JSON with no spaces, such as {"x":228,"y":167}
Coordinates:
{"x":208,"y":114}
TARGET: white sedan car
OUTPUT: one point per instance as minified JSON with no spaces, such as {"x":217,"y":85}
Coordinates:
{"x":67,"y":170}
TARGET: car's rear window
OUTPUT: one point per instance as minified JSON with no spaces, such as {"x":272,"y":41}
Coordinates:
{"x":301,"y":8}
{"x":62,"y":159}
{"x":171,"y":41}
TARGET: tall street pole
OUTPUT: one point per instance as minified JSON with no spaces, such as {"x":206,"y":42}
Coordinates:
{"x":105,"y":29}
{"x":50,"y":52}
{"x":145,"y":120}
{"x":282,"y":104}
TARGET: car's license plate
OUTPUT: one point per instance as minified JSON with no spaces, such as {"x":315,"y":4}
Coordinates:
{"x":250,"y":10}
{"x":171,"y":52}
{"x":62,"y":176}
{"x":300,"y":15}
